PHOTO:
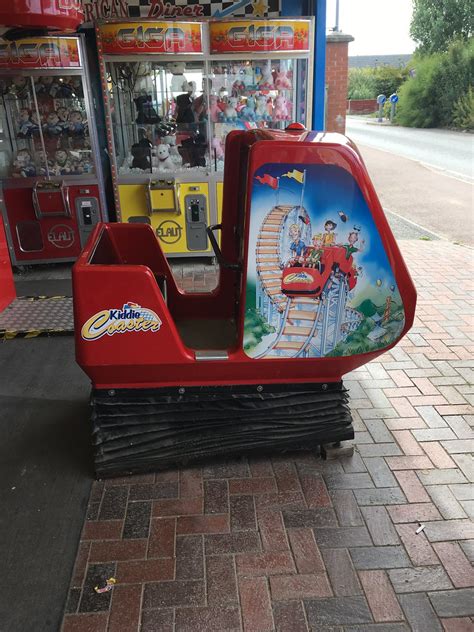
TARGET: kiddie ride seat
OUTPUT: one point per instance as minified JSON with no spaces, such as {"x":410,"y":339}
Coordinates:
{"x":311,"y":286}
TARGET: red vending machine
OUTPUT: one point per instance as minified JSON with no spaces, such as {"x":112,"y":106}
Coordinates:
{"x":51,"y":193}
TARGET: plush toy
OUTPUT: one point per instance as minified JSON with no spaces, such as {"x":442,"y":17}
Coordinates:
{"x":193,"y":150}
{"x":266,"y":82}
{"x":165,"y":162}
{"x":184,"y":109}
{"x":76,"y":129}
{"x":178,"y":80}
{"x":19,"y":87}
{"x":282,"y":81}
{"x":280,"y":109}
{"x":146,"y":113}
{"x":248,"y":78}
{"x":75,"y":83}
{"x":174,"y":153}
{"x":261,"y":111}
{"x":53,"y":126}
{"x":248,"y":111}
{"x":23,"y":166}
{"x":218,"y":149}
{"x":214,"y":109}
{"x":141,"y":153}
{"x":62,"y":165}
{"x":230,"y":112}
{"x":25,"y":124}
{"x":238,"y":88}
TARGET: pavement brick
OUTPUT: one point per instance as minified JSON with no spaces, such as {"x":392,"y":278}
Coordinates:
{"x":406,"y":580}
{"x":161,"y":542}
{"x":380,"y":596}
{"x":272,"y":530}
{"x":380,"y":526}
{"x":337,"y":611}
{"x":216,"y":497}
{"x":189,"y":557}
{"x":242,"y":513}
{"x":446,"y":502}
{"x":346,"y":507}
{"x":305,"y":551}
{"x":442,"y":477}
{"x":411,"y":486}
{"x":321,"y":517}
{"x":414,"y":512}
{"x":141,"y":571}
{"x":341,"y":572}
{"x":380,"y":496}
{"x":221,"y":580}
{"x":407,"y":442}
{"x":457,"y":624}
{"x":125,"y":609}
{"x":348,"y":481}
{"x":409,"y":462}
{"x":344,"y":537}
{"x":285,"y":587}
{"x":379,"y":557}
{"x":438,"y":455}
{"x":174,"y":593}
{"x":255,"y":604}
{"x":463,"y":492}
{"x":453,"y":603}
{"x":456,"y":564}
{"x":417,"y":546}
{"x":289,"y":616}
{"x":211,"y":619}
{"x":203,"y":524}
{"x":380,"y":473}
{"x":264,"y":564}
{"x":419,"y":613}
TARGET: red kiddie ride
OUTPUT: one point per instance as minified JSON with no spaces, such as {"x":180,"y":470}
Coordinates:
{"x":256,"y":364}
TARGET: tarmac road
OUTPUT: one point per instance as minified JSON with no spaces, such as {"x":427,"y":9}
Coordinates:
{"x":419,"y":193}
{"x":442,"y":150}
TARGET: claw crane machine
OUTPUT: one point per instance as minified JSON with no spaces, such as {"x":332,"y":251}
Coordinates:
{"x":173,"y":90}
{"x":51,"y":193}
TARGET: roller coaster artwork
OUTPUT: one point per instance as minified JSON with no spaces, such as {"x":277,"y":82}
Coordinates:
{"x":308,"y":295}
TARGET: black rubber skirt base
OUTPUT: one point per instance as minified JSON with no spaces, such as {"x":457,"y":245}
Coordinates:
{"x":140,"y":430}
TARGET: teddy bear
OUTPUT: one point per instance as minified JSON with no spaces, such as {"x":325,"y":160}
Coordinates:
{"x":280,"y":109}
{"x":282,"y":82}
{"x":178,"y":80}
{"x":266,"y":82}
{"x":165,"y":163}
{"x":146,"y":112}
{"x":261,"y":112}
{"x":184,"y":109}
{"x":23,"y":166}
{"x":141,"y":153}
{"x":174,"y":153}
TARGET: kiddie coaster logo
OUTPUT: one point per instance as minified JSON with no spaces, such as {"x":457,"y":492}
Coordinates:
{"x":131,"y":317}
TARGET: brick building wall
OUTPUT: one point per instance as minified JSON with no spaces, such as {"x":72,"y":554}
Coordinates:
{"x":337,"y":54}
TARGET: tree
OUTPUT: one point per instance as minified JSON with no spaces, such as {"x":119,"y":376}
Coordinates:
{"x":436,"y":23}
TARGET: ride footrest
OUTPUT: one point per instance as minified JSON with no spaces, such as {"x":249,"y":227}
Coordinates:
{"x":138,"y":430}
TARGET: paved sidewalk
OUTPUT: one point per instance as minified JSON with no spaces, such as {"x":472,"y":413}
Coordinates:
{"x":296,"y":543}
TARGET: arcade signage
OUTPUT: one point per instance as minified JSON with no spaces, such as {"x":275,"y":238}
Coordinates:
{"x":151,"y":37}
{"x":259,"y":36}
{"x":145,"y":9}
{"x":40,"y":52}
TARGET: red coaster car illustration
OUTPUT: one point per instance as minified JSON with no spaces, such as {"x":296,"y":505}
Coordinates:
{"x":308,"y":281}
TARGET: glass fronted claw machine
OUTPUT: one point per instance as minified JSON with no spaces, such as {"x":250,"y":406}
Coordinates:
{"x":155,"y":94}
{"x":173,"y":90}
{"x":51,"y":192}
{"x":260,"y":76}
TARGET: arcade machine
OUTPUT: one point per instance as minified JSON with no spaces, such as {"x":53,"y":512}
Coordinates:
{"x":173,"y":91}
{"x":51,"y":192}
{"x":312,"y":286}
{"x":7,"y":286}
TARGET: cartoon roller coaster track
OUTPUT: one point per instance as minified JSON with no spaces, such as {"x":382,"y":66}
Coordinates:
{"x":306,"y":326}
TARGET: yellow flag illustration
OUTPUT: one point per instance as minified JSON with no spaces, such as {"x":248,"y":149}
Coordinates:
{"x":297,"y":175}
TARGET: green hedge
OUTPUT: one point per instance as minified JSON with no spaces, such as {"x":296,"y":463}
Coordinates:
{"x":437,"y":95}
